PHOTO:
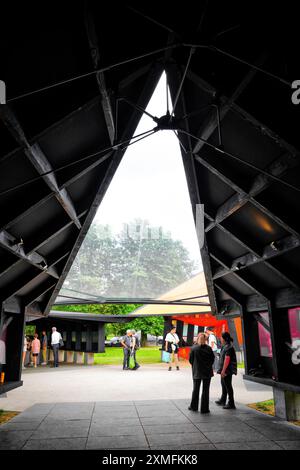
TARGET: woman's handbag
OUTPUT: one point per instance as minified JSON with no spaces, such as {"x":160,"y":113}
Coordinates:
{"x":165,"y":356}
{"x":61,"y":342}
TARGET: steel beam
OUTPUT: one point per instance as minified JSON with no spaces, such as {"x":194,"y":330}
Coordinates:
{"x":259,"y":184}
{"x":39,"y":161}
{"x":248,"y":283}
{"x":9,"y":243}
{"x":286,"y":244}
{"x":211,"y":123}
{"x":189,"y":165}
{"x":95,"y":53}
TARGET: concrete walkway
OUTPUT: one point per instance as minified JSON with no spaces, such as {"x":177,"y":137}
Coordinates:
{"x":100,"y":383}
{"x":104,"y":407}
{"x":144,"y":424}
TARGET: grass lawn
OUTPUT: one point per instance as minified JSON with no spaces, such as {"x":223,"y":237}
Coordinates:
{"x":268,"y":408}
{"x":7,"y":415}
{"x":114,"y":356}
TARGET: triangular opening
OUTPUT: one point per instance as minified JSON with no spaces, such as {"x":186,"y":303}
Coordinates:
{"x":142,"y":242}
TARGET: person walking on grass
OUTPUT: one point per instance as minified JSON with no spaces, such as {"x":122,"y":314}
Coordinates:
{"x":202,"y":359}
{"x":35,"y":349}
{"x":126,"y":342}
{"x":227,"y":368}
{"x":172,"y":347}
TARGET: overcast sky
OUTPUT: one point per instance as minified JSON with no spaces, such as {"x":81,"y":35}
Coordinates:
{"x":150,"y":183}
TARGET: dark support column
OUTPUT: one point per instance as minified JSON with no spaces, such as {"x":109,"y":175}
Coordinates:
{"x":78,"y":338}
{"x":179,"y":328}
{"x":167,"y":327}
{"x":101,"y":337}
{"x":275,"y":339}
{"x":69,"y":338}
{"x":287,"y":404}
{"x":281,"y":338}
{"x":14,"y":346}
{"x":190,"y":335}
{"x":251,"y":340}
{"x":89,"y":339}
{"x":232,"y":331}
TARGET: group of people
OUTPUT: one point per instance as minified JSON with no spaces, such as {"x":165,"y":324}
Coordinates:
{"x":130,"y":343}
{"x":37,"y":347}
{"x":207,"y":357}
{"x":202,"y":359}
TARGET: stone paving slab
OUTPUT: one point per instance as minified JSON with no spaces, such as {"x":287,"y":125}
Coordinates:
{"x":56,"y":444}
{"x":168,"y":425}
{"x":118,"y":442}
{"x":185,"y":447}
{"x":167,"y":428}
{"x":13,"y":439}
{"x":63,"y":430}
{"x":115,"y":421}
{"x":112,"y":430}
{"x":20,"y":426}
{"x":225,"y":426}
{"x":176,"y":439}
{"x":289,"y":445}
{"x":265,"y":445}
{"x":233,"y":436}
{"x":171,"y":420}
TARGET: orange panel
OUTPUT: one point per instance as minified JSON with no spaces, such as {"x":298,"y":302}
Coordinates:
{"x":239,"y":330}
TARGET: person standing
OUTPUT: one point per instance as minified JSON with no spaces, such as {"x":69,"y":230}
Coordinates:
{"x":227,"y":368}
{"x":202,"y":359}
{"x":135,"y":344}
{"x":24,"y":352}
{"x":44,"y":344}
{"x":55,"y":343}
{"x":29,"y":351}
{"x":35,"y":348}
{"x":212,"y":342}
{"x":172,"y":347}
{"x":126,"y":342}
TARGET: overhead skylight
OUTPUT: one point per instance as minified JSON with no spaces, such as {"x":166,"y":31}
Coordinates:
{"x":142,"y":242}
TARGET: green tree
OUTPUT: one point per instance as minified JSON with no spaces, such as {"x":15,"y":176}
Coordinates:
{"x":128,"y":266}
{"x":149,"y":325}
{"x":132,"y":264}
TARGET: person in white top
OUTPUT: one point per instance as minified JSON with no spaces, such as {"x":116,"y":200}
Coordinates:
{"x":55,"y":343}
{"x":172,"y":346}
{"x":212,"y":342}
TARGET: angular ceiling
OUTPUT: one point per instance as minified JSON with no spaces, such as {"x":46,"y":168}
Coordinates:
{"x":76,"y":83}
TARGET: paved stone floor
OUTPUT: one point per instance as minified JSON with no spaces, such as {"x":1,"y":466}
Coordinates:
{"x":99,"y":383}
{"x":144,"y":424}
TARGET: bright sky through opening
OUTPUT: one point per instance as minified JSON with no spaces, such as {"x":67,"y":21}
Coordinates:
{"x":150,"y":182}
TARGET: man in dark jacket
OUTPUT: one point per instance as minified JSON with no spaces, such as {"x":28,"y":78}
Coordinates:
{"x":201,"y":359}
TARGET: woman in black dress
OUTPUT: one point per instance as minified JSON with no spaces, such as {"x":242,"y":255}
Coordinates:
{"x":201,"y":359}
